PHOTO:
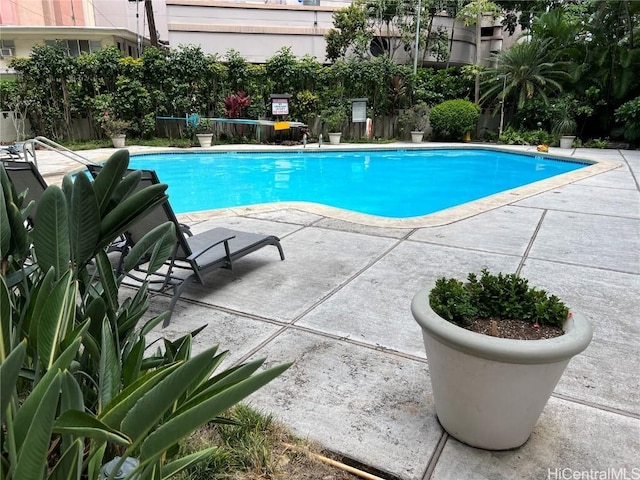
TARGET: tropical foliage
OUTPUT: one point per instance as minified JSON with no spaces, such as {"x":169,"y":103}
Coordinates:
{"x":525,"y":71}
{"x":79,"y":387}
{"x":588,"y":49}
{"x":369,"y":28}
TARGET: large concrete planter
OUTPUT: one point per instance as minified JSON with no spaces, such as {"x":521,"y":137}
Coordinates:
{"x":334,"y":138}
{"x":416,"y":137}
{"x":118,"y":140}
{"x":566,"y":141}
{"x":205,"y":139}
{"x":489,"y":391}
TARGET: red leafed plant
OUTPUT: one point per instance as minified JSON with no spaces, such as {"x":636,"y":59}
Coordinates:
{"x":235,"y":103}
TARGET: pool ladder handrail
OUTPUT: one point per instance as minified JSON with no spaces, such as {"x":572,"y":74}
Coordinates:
{"x":29,"y":149}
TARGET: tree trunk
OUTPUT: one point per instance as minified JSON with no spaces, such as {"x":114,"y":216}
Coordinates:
{"x":478,"y":45}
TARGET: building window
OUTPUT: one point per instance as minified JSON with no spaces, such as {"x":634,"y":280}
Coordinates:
{"x":74,"y":48}
{"x":491,"y":31}
{"x":7,"y":48}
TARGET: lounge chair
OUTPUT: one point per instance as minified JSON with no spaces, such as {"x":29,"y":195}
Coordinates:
{"x":194,"y":254}
{"x":10,"y":152}
{"x":25,"y":176}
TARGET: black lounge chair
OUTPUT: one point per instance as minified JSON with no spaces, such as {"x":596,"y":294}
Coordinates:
{"x":25,"y":176}
{"x":10,"y":152}
{"x":195,"y":254}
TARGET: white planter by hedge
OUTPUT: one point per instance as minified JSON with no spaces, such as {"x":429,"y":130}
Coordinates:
{"x":489,"y":391}
{"x":416,"y":137}
{"x":566,"y":141}
{"x":205,"y":139}
{"x":118,"y":140}
{"x":334,"y":138}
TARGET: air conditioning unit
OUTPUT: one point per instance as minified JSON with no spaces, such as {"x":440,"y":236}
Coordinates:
{"x":6,"y":52}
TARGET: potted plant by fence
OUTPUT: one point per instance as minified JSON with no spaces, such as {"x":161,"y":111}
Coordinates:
{"x":493,"y":357}
{"x":203,"y":131}
{"x":114,"y":128}
{"x":454,"y":119}
{"x":565,"y":126}
{"x":414,"y":120}
{"x":334,"y":117}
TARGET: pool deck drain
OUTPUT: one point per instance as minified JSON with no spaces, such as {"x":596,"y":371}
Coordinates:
{"x":339,"y":307}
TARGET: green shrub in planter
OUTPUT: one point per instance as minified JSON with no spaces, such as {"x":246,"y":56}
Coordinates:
{"x":452,"y":119}
{"x":495,"y":296}
{"x":414,"y":119}
{"x":334,"y":117}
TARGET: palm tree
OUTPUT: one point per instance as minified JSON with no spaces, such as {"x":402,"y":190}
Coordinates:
{"x":526,"y":70}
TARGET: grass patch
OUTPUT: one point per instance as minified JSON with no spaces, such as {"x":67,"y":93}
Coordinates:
{"x":150,"y":142}
{"x":253,"y":446}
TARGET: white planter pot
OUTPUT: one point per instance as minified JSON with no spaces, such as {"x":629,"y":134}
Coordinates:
{"x":416,"y":137}
{"x":205,"y":139}
{"x":566,"y":141}
{"x":334,"y":138}
{"x":489,"y":391}
{"x":118,"y":140}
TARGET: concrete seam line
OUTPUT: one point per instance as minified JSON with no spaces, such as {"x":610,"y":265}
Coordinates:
{"x":431,"y":465}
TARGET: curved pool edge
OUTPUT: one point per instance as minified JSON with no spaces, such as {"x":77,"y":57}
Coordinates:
{"x":443,"y":217}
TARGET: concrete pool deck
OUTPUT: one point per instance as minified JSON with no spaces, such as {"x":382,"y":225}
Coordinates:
{"x":339,"y":307}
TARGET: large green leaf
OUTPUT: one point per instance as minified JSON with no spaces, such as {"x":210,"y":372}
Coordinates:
{"x":162,"y":236}
{"x":219,"y":382}
{"x":83,"y":424}
{"x":140,"y":203}
{"x":84,"y":220}
{"x":96,"y":456}
{"x":109,"y":178}
{"x":51,"y":233}
{"x":108,"y":280}
{"x":148,"y":411}
{"x":109,"y":384}
{"x":69,"y":466}
{"x":33,"y":447}
{"x":9,"y":373}
{"x":7,"y":319}
{"x":171,"y":469}
{"x":56,"y":318}
{"x":28,"y":409}
{"x":19,"y":241}
{"x":39,"y":304}
{"x":132,"y":363}
{"x":114,"y":413}
{"x":71,"y":399}
{"x":5,"y":226}
{"x":126,"y":187}
{"x":96,"y":311}
{"x":179,"y":426}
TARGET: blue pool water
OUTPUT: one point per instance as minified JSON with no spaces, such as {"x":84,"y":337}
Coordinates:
{"x":388,"y":183}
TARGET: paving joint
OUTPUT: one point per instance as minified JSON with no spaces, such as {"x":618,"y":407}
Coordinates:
{"x":617,"y":411}
{"x":435,"y":456}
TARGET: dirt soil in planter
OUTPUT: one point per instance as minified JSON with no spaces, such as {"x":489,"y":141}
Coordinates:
{"x":513,"y":329}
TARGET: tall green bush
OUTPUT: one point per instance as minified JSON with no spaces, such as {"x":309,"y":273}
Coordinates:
{"x":452,"y":119}
{"x":628,"y":115}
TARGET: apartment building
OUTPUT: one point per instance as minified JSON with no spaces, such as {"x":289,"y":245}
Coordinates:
{"x":255,"y":28}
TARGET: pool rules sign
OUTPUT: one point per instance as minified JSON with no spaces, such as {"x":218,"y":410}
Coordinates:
{"x":280,"y":104}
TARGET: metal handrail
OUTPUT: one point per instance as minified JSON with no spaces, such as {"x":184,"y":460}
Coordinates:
{"x":29,"y":148}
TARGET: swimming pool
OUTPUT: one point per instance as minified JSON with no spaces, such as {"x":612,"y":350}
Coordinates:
{"x":387,"y":183}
